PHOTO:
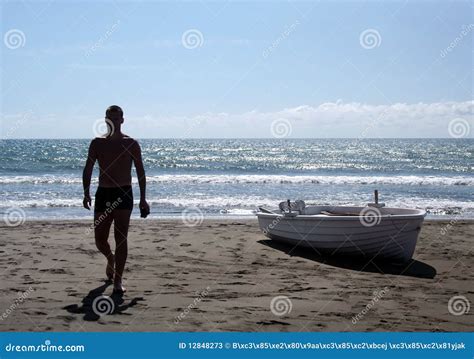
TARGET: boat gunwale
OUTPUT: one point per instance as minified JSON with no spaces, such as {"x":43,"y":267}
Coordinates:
{"x":420,"y":215}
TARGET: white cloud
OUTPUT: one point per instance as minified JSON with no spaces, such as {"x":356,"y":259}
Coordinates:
{"x":332,"y":119}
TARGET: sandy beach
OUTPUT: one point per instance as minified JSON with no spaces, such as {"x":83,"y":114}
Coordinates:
{"x":222,"y":276}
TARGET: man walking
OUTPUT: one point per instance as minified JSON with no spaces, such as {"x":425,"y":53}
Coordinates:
{"x":115,"y":153}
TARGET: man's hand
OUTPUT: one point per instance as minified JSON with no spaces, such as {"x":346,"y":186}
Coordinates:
{"x":86,"y":202}
{"x":144,"y":208}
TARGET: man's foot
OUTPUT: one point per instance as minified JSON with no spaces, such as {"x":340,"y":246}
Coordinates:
{"x":119,"y":288}
{"x":110,"y":271}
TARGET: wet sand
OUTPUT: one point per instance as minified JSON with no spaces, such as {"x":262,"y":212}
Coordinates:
{"x":222,"y":276}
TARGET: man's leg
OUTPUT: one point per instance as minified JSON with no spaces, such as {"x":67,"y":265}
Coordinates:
{"x":102,"y":223}
{"x":121,"y":222}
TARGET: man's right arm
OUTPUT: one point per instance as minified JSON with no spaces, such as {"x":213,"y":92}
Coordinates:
{"x":87,"y":174}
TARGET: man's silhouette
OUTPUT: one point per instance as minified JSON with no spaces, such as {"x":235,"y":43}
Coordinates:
{"x":115,"y":153}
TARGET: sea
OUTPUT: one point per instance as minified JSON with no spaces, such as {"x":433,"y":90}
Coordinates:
{"x":231,"y":177}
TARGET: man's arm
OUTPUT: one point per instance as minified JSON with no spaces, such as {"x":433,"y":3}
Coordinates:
{"x":138,"y":161}
{"x":87,"y":174}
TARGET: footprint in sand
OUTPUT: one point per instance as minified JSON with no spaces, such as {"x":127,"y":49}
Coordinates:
{"x":272,"y":322}
{"x":55,"y":270}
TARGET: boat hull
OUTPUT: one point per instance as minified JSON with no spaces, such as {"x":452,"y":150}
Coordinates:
{"x":390,"y":237}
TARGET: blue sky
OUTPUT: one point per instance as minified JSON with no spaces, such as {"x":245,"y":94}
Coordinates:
{"x":304,"y":64}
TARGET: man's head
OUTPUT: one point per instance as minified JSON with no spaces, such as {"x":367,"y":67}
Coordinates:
{"x":115,"y":114}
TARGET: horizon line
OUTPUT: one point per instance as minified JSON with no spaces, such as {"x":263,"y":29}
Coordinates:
{"x":250,"y":138}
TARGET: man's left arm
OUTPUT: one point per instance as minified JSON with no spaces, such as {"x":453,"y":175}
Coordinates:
{"x":138,"y":161}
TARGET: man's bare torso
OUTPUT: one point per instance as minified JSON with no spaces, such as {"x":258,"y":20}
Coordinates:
{"x":115,"y":160}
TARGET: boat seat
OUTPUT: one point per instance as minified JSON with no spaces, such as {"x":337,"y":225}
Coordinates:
{"x":296,"y":206}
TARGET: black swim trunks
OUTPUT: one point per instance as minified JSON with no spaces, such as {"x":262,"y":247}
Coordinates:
{"x":110,"y":198}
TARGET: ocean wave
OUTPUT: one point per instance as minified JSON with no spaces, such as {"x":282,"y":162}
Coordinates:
{"x":244,"y":205}
{"x":411,"y":180}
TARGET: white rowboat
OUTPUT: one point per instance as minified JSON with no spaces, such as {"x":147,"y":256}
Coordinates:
{"x":373,"y":232}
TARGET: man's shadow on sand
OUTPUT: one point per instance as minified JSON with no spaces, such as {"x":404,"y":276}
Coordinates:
{"x":412,"y":268}
{"x":107,"y":305}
